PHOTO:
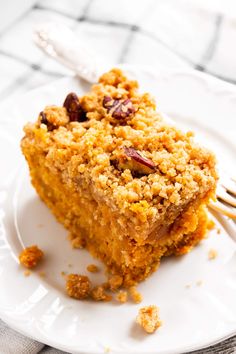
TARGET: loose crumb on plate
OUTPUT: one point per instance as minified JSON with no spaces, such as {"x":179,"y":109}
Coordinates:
{"x":78,"y":286}
{"x":27,"y":273}
{"x":148,"y":318}
{"x":107,"y":350}
{"x":218,"y":231}
{"x":98,"y":294}
{"x":115,"y":281}
{"x":188,"y":286}
{"x":122,"y":296}
{"x":70,"y":265}
{"x":199,"y":283}
{"x":31,"y":256}
{"x":135,"y":295}
{"x":42,"y":274}
{"x":212,"y":254}
{"x":92,"y":268}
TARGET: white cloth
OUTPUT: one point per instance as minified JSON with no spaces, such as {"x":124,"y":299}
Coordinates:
{"x":174,"y":33}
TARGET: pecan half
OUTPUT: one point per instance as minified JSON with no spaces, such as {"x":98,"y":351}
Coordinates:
{"x":134,"y":161}
{"x":119,"y":109}
{"x":74,"y":109}
{"x":43,"y":118}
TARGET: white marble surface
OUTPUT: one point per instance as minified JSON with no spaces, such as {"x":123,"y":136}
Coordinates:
{"x":174,"y":33}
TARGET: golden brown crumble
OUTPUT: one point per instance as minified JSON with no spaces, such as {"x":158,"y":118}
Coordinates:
{"x":122,"y":296}
{"x":98,"y":294}
{"x":78,"y":286}
{"x":212,"y":254}
{"x":115,"y":281}
{"x":92,"y":268}
{"x":135,"y":295}
{"x":148,"y":318}
{"x":27,"y":273}
{"x":31,"y":256}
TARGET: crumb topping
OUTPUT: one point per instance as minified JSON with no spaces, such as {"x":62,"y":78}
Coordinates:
{"x":115,"y":281}
{"x":122,"y":296}
{"x":92,"y":268}
{"x":98,"y":293}
{"x":31,"y":256}
{"x":182,"y":168}
{"x":148,"y":318}
{"x":135,"y":295}
{"x":78,"y":286}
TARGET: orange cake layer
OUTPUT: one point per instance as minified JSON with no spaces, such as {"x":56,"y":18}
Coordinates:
{"x":128,"y":186}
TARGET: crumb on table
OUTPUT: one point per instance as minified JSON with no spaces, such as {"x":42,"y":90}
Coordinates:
{"x":31,"y":256}
{"x":107,"y":350}
{"x":122,"y":296}
{"x":212,"y":254}
{"x":135,"y":294}
{"x":92,"y":268}
{"x":27,"y":273}
{"x":78,"y":286}
{"x":98,"y":294}
{"x":148,"y":318}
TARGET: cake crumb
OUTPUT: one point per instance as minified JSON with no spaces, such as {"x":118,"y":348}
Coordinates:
{"x":31,"y":256}
{"x":70,"y":265}
{"x":107,"y":350}
{"x":42,"y":274}
{"x":212,"y":254}
{"x":92,"y":268}
{"x":98,"y":294}
{"x":63,"y":274}
{"x":218,"y":231}
{"x":148,"y":318}
{"x":135,"y":295}
{"x":27,"y":273}
{"x":211,"y":224}
{"x":78,"y":286}
{"x":40,"y":226}
{"x":122,"y":296}
{"x":115,"y":282}
{"x":199,"y":283}
{"x":187,"y":286}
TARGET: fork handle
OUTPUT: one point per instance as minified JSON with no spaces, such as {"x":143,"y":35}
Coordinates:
{"x":60,"y":43}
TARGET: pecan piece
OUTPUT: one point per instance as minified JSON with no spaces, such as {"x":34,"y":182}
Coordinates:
{"x":74,"y":109}
{"x":134,"y":161}
{"x":119,"y":109}
{"x":43,"y":118}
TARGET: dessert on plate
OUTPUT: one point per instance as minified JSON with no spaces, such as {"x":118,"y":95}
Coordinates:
{"x":128,"y":186}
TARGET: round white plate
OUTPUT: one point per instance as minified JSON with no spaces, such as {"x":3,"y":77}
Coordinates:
{"x":196,"y":296}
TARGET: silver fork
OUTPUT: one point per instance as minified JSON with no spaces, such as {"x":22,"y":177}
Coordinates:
{"x":226,"y":196}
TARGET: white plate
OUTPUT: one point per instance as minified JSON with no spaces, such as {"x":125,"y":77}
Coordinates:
{"x":192,"y":317}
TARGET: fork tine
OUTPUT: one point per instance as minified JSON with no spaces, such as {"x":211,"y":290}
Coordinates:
{"x":223,"y":209}
{"x":229,"y":184}
{"x":222,"y":194}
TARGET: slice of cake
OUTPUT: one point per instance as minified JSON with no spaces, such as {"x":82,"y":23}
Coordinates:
{"x":128,"y":186}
